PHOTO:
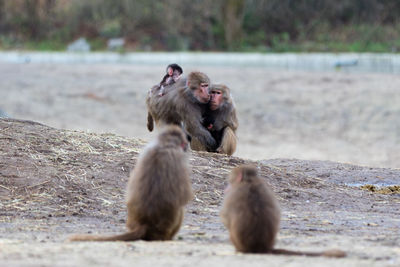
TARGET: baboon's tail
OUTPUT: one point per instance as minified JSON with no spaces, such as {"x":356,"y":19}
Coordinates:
{"x":333,"y":253}
{"x":150,"y":122}
{"x":130,"y":236}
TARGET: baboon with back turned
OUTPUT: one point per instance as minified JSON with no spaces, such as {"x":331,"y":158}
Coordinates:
{"x":184,"y":102}
{"x":158,"y":189}
{"x":252,"y":215}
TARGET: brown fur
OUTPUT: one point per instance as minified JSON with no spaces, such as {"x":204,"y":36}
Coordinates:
{"x":224,"y":122}
{"x":158,"y":188}
{"x":228,"y":143}
{"x":183,"y":102}
{"x":252,"y":215}
{"x":225,"y":115}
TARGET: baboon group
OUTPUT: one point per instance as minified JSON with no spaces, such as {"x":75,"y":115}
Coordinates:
{"x":206,"y":112}
{"x":190,"y":111}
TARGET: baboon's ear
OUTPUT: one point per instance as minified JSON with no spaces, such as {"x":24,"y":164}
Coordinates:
{"x":248,"y":173}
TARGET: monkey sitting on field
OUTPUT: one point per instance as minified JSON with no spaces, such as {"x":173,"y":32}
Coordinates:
{"x":252,"y":215}
{"x":185,"y":103}
{"x":221,"y":120}
{"x":158,"y":189}
{"x":174,"y":72}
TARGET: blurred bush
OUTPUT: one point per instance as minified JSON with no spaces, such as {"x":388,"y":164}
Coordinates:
{"x":234,"y":25}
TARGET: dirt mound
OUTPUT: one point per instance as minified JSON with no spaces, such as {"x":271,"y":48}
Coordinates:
{"x":57,"y":182}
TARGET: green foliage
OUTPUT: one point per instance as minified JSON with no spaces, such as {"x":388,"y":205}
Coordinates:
{"x":207,"y":25}
{"x":145,"y":42}
{"x":111,"y":29}
{"x":97,"y":44}
{"x":8,"y":43}
{"x":353,"y":38}
{"x":45,"y":45}
{"x":217,"y":30}
{"x":256,"y":38}
{"x":281,"y":42}
{"x":176,"y":43}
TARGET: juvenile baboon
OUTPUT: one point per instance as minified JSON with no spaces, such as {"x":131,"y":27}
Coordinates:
{"x":158,"y":188}
{"x":252,"y":215}
{"x":221,"y":120}
{"x":174,"y":72}
{"x":185,"y":102}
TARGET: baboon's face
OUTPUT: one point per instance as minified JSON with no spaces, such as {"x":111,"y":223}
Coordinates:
{"x":216,"y":99}
{"x":170,"y":71}
{"x":201,"y":93}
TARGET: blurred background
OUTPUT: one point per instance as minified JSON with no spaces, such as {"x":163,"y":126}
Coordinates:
{"x":312,"y":79}
{"x":206,"y":25}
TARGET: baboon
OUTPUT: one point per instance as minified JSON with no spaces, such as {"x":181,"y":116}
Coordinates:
{"x":158,"y":188}
{"x":174,"y":72}
{"x":252,"y":215}
{"x":221,"y":120}
{"x":185,"y":102}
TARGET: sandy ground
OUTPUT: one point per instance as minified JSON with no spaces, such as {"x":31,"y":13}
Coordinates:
{"x":335,"y":116}
{"x":54,"y":183}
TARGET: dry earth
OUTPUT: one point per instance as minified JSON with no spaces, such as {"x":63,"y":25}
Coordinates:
{"x":58,"y":182}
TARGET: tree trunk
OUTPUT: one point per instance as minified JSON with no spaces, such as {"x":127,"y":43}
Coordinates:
{"x":232,"y":14}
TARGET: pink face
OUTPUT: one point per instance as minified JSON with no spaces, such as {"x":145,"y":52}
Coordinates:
{"x":170,"y":71}
{"x":184,"y":146}
{"x":216,"y":99}
{"x":201,"y":93}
